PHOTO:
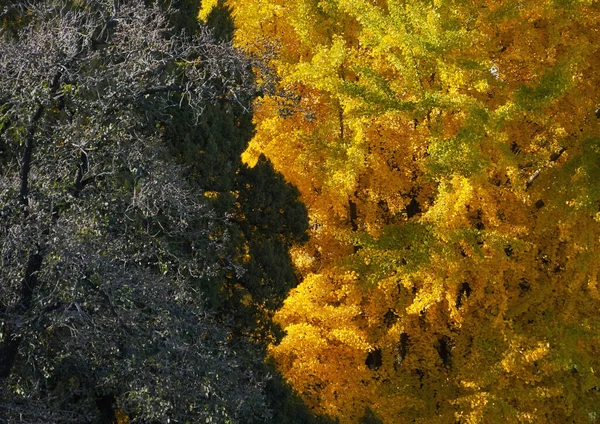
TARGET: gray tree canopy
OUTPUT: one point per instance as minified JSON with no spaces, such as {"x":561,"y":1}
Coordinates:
{"x":105,"y":236}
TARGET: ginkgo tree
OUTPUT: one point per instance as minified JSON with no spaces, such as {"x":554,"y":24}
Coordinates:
{"x":448,"y":155}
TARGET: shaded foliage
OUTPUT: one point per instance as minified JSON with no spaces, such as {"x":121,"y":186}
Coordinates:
{"x":120,"y":214}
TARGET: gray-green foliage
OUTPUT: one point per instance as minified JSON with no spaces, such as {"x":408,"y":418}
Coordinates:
{"x":105,"y":237}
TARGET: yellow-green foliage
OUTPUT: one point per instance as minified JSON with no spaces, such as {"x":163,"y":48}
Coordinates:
{"x":448,"y":152}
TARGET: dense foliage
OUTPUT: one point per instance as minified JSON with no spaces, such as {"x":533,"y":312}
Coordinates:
{"x":447,"y":152}
{"x":139,"y":257}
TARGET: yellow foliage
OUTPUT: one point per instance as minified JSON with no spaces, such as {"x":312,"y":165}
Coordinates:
{"x":448,"y":154}
{"x":122,"y":417}
{"x":205,"y":8}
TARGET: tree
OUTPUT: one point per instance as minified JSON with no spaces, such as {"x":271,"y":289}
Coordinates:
{"x":447,"y":153}
{"x":110,"y":239}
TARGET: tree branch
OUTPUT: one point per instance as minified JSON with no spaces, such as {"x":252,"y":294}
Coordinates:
{"x":29,"y":139}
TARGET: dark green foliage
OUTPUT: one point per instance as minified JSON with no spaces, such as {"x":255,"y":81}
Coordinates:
{"x":272,"y":219}
{"x":13,"y":18}
{"x":370,"y":418}
{"x":268,"y":215}
{"x":286,"y":405}
{"x":270,"y":204}
{"x":220,"y":21}
{"x":186,"y":15}
{"x":211,"y":147}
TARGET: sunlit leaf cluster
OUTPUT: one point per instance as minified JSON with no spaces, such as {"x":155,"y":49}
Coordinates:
{"x":447,"y":152}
